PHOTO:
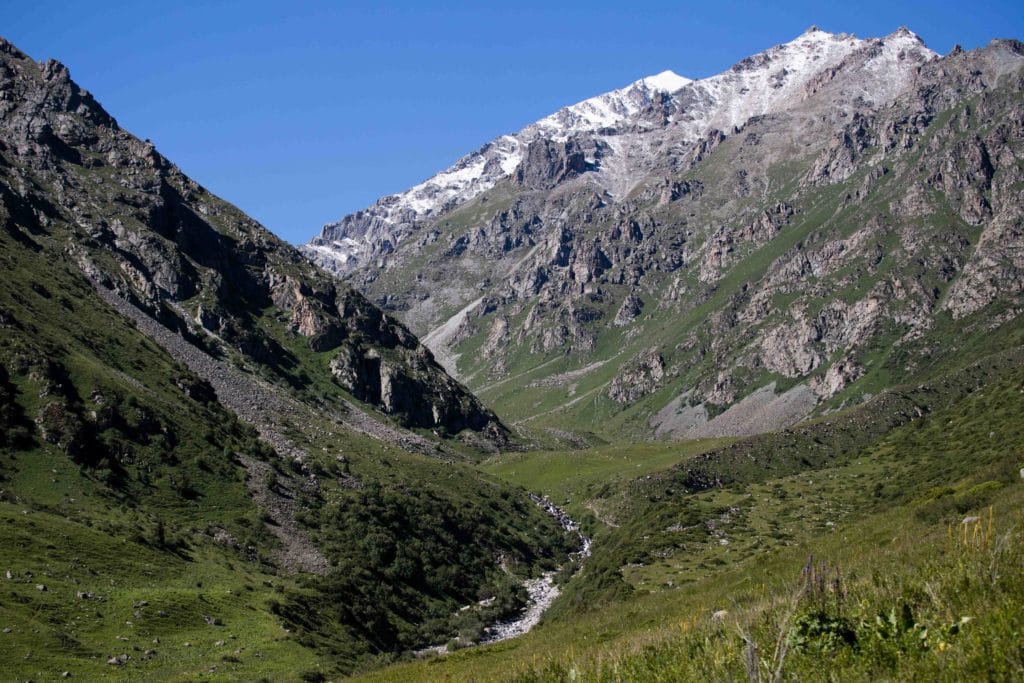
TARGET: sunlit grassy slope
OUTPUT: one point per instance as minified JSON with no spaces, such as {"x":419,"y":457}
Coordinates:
{"x":572,"y":478}
{"x":128,"y":533}
{"x":915,"y":531}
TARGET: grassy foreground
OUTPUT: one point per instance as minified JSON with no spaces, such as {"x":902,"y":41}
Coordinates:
{"x":891,"y":598}
{"x":899,"y":560}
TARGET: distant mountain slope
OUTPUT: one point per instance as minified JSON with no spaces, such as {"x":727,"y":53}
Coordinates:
{"x":200,"y":428}
{"x":826,"y":218}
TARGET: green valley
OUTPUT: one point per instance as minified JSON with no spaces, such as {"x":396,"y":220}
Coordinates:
{"x":712,"y":379}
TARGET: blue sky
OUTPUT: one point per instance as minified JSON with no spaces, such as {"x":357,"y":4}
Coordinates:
{"x":301,"y":112}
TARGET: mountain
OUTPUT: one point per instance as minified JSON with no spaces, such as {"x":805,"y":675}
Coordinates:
{"x":723,"y":256}
{"x":770,"y":324}
{"x":219,"y":461}
{"x":617,"y":124}
{"x":205,"y":439}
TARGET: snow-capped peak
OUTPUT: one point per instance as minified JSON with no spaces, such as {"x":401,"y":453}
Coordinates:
{"x":667,"y":81}
{"x":607,"y":110}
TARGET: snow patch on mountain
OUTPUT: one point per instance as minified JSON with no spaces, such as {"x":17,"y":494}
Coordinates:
{"x":605,"y":111}
{"x":342,"y":249}
{"x":668,"y":81}
{"x":626,"y":120}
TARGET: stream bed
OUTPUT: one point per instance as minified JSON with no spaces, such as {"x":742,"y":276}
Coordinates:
{"x":542,"y":591}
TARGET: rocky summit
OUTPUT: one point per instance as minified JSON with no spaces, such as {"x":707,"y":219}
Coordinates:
{"x":688,"y":258}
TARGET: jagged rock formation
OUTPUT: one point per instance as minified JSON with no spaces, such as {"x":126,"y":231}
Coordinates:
{"x":824,"y":214}
{"x":144,"y":230}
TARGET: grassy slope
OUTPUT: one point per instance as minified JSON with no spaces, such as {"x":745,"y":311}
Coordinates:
{"x":888,"y":517}
{"x":92,"y":526}
{"x":145,"y":599}
{"x":578,"y":479}
{"x":128,"y":501}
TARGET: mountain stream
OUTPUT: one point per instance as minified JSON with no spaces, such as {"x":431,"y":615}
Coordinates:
{"x":542,"y":591}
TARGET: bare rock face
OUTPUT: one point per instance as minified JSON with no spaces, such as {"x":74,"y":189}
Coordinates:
{"x":631,"y":307}
{"x":840,"y":159}
{"x":836,"y":378}
{"x":549,"y":163}
{"x":789,"y":348}
{"x":497,"y":338}
{"x":995,"y":271}
{"x":637,"y":380}
{"x":408,"y":384}
{"x":723,"y":247}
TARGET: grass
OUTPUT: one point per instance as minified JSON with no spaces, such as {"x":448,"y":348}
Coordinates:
{"x":573,"y":478}
{"x":120,"y":477}
{"x":138,"y":598}
{"x":886,"y":514}
{"x":923,"y":604}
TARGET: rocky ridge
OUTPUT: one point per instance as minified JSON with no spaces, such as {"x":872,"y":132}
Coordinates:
{"x":145,"y":231}
{"x":611,"y":135}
